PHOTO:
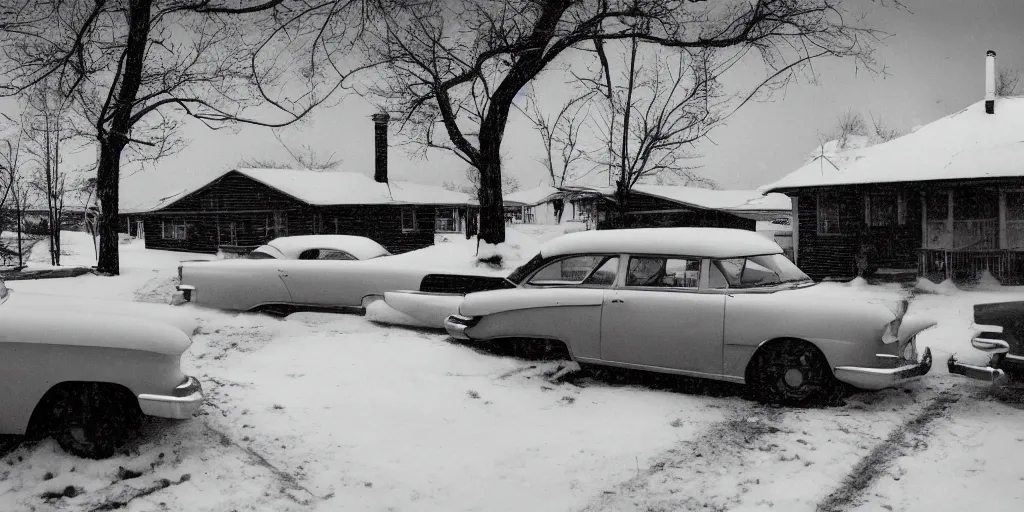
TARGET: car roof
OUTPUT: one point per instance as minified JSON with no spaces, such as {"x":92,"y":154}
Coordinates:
{"x":698,"y":242}
{"x":361,"y":247}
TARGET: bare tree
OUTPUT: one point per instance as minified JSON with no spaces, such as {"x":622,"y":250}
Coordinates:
{"x":849,"y":124}
{"x":667,"y":103}
{"x":471,"y":185}
{"x":135,"y":68}
{"x":17,"y":193}
{"x":884,"y":132}
{"x":461,"y":63}
{"x":306,"y":158}
{"x":1007,"y":81}
{"x":45,"y":119}
{"x":565,"y":154}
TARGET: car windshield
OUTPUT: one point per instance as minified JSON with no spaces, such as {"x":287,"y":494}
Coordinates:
{"x":517,"y":275}
{"x":758,"y":271}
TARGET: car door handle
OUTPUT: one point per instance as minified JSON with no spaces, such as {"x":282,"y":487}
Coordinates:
{"x":618,"y":301}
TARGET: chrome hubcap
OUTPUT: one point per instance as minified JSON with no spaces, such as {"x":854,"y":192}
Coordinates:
{"x":794,"y":377}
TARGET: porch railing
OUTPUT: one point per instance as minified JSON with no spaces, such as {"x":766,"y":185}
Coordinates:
{"x":966,"y":234}
{"x":939,"y":264}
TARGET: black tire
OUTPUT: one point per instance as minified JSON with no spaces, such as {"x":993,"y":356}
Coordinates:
{"x":276,"y":310}
{"x":89,"y":420}
{"x":791,"y":372}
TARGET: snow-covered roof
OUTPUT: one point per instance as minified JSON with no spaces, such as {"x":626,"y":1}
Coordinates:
{"x":533,"y":196}
{"x":968,"y":144}
{"x":708,"y":199}
{"x":361,"y":247}
{"x":697,"y":242}
{"x":335,"y":188}
{"x":324,"y":188}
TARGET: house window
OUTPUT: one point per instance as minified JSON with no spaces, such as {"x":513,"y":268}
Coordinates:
{"x":280,"y":224}
{"x":408,"y":219}
{"x":831,"y":214}
{"x":884,"y":209}
{"x":173,"y":229}
{"x":318,"y":224}
{"x":227,"y":233}
{"x":413,"y":220}
{"x":446,"y":220}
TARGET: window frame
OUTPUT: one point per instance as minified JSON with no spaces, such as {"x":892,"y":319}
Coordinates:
{"x":454,"y":220}
{"x":899,"y":218}
{"x":702,"y":276}
{"x":841,"y":209}
{"x":412,"y":216}
{"x":582,"y":284}
{"x":173,"y":226}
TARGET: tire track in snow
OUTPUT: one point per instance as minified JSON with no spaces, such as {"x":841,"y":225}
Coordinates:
{"x":911,"y":434}
{"x":684,"y":477}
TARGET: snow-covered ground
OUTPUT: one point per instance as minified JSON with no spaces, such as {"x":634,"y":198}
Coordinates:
{"x":335,"y":412}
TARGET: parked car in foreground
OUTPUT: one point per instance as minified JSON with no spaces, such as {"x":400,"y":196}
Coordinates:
{"x":717,"y":303}
{"x":283,"y":277}
{"x":86,"y":371}
{"x":999,"y":331}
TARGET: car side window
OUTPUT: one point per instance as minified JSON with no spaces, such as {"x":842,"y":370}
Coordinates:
{"x":334,"y":254}
{"x":663,"y":272}
{"x":309,"y":254}
{"x":716,"y":279}
{"x":731,"y":269}
{"x":605,"y":274}
{"x":573,"y":270}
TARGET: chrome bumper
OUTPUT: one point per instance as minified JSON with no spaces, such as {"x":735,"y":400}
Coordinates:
{"x":456,"y":326}
{"x":183,"y":295}
{"x":881,"y":378}
{"x":182,"y":404}
{"x":995,"y":376}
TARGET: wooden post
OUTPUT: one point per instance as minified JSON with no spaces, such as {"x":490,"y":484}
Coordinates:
{"x":924,"y":220}
{"x":795,"y":224}
{"x":1002,"y":220}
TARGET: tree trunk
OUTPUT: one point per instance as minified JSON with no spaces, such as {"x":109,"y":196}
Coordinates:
{"x":107,"y":193}
{"x":492,"y":206}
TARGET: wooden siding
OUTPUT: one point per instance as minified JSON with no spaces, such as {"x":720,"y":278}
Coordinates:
{"x":833,"y":255}
{"x":259,"y":214}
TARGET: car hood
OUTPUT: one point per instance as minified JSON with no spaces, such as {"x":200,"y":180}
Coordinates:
{"x":179,"y":318}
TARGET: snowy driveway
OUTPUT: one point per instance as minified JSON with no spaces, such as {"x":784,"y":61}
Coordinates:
{"x":333,"y":412}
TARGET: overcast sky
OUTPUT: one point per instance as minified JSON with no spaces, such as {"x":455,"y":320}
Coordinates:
{"x":934,"y":59}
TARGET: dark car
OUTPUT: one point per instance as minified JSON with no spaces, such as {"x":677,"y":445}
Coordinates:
{"x":999,"y":331}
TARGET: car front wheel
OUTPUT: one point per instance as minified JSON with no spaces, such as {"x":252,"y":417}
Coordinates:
{"x":791,"y":372}
{"x":89,"y":420}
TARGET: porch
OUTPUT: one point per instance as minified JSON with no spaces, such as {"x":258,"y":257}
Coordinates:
{"x":968,"y":231}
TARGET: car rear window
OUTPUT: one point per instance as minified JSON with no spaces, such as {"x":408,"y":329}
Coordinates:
{"x":568,"y":271}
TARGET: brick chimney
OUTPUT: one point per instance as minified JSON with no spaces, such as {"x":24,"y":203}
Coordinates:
{"x":380,"y":147}
{"x":990,"y":82}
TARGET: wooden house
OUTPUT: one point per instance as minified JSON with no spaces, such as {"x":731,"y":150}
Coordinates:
{"x":945,"y":201}
{"x":243,"y":208}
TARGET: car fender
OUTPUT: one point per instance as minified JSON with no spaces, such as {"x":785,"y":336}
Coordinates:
{"x":912,"y":325}
{"x":495,"y":301}
{"x":236,"y":284}
{"x":184,"y":320}
{"x":30,"y":325}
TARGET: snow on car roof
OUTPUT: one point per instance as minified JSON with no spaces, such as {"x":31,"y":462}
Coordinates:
{"x":699,"y":242}
{"x":358,"y":246}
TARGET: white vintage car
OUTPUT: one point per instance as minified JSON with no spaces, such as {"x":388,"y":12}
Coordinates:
{"x":319,"y":247}
{"x":85,"y":371}
{"x":285,"y":277}
{"x":717,"y":303}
